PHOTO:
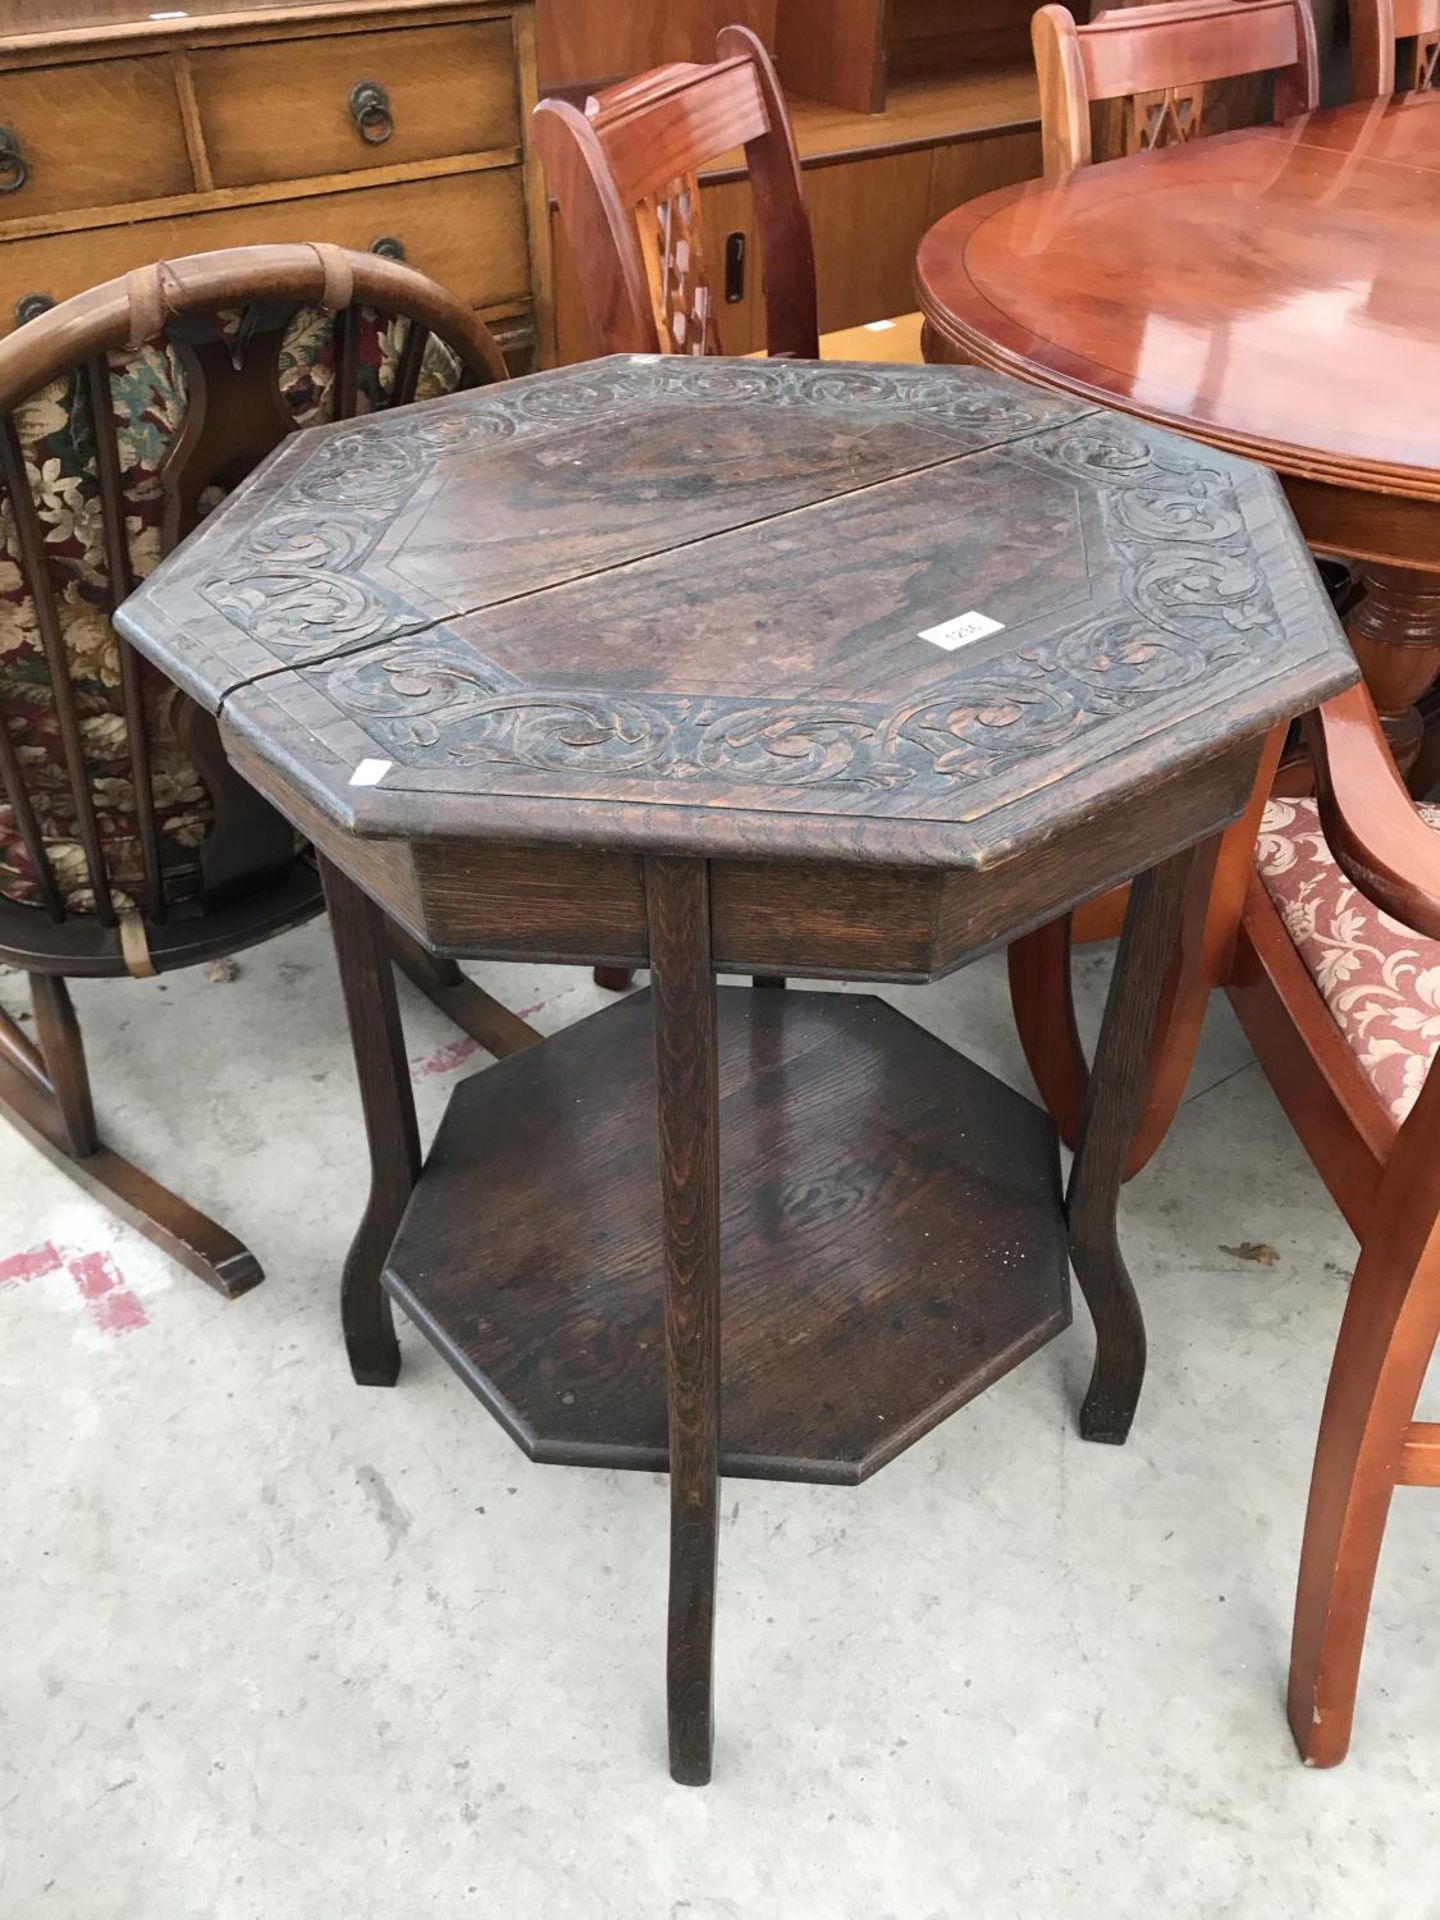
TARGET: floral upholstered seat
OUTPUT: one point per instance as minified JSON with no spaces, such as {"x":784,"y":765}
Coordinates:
{"x":57,"y":440}
{"x":1379,"y":979}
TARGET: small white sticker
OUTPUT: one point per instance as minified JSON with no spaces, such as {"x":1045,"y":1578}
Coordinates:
{"x":370,"y":773}
{"x":960,"y":631}
{"x":879,"y":326}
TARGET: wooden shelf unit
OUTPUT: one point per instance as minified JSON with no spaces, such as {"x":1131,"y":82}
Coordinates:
{"x":892,"y":1229}
{"x":853,"y":53}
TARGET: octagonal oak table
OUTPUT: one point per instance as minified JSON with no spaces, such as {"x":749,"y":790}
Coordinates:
{"x":825,"y":670}
{"x":1275,"y":292}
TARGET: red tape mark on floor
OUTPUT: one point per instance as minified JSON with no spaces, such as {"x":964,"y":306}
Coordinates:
{"x":108,"y":1301}
{"x":529,"y":1013}
{"x":32,"y":1265}
{"x":113,"y":1307}
{"x":448,"y":1058}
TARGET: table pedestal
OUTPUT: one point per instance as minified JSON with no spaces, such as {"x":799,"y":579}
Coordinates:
{"x":1395,"y":630}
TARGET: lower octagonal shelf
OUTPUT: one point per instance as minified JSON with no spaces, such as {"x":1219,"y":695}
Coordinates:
{"x":893,"y":1238}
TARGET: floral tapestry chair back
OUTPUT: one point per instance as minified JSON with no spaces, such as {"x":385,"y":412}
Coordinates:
{"x":124,"y":415}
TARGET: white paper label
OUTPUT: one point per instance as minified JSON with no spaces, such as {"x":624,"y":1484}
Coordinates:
{"x":370,"y":773}
{"x":960,"y":631}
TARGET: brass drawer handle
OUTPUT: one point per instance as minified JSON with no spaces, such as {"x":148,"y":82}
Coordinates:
{"x":30,"y":306}
{"x":13,"y":170}
{"x":388,"y":247}
{"x":370,"y":111}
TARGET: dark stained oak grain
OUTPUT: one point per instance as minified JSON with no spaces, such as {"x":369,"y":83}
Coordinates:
{"x":728,"y":659}
{"x":687,"y":1098}
{"x":637,"y":652}
{"x":1113,"y":1105}
{"x":391,"y":1132}
{"x":891,"y":1238}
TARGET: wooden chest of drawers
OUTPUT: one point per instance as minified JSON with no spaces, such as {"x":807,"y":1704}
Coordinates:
{"x":130,"y":135}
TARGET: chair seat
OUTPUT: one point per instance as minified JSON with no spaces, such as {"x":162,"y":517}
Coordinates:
{"x":1379,"y":978}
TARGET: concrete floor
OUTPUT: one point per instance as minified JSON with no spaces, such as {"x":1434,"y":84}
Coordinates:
{"x":275,"y":1646}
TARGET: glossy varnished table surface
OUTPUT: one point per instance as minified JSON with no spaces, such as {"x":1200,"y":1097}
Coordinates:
{"x":785,"y":669}
{"x":1274,"y":291}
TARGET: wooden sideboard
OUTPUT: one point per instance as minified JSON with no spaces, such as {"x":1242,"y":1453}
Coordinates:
{"x":399,"y":125}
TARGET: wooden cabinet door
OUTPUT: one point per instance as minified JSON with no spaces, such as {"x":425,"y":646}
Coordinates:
{"x":868,"y":217}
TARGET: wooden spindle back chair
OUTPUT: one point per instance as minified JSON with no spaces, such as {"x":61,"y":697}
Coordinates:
{"x":127,"y":845}
{"x":625,"y":176}
{"x":1378,"y":30}
{"x":1159,"y":61}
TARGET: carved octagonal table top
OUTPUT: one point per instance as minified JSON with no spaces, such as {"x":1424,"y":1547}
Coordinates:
{"x":687,"y":602}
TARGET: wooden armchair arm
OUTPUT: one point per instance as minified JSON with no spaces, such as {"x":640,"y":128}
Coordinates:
{"x":1370,"y":821}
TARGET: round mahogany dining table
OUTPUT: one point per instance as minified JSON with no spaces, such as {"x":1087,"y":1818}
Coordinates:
{"x":1274,"y":291}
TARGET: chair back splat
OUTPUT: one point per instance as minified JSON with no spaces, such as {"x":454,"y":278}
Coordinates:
{"x":625,"y":174}
{"x":1379,"y":30}
{"x":1158,"y":61}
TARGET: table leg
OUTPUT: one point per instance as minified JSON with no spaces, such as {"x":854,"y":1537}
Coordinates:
{"x":1394,"y":628}
{"x":677,"y":897}
{"x":362,"y":950}
{"x":1114,"y":1103}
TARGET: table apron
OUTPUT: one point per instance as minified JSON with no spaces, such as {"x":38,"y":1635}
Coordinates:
{"x":824,"y":919}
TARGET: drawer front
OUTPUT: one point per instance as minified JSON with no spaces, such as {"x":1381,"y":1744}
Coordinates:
{"x":301,"y":108}
{"x":96,"y":135}
{"x":466,"y":231}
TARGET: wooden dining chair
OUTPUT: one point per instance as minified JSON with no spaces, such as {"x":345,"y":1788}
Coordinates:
{"x":127,"y":845}
{"x":1321,"y":919}
{"x":1336,"y":979}
{"x":625,"y":175}
{"x":1378,"y":31}
{"x":1158,"y":62}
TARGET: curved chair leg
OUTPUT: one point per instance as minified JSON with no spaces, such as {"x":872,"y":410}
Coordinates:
{"x":688,"y":1118}
{"x":1042,"y":997}
{"x":45,"y":1095}
{"x":363,"y":953}
{"x":1043,"y":1001}
{"x":1113,"y":1105}
{"x":1389,"y":1331}
{"x":62,"y":1052}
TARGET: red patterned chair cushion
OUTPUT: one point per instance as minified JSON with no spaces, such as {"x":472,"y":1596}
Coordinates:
{"x":57,"y":438}
{"x":1380,"y":979}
